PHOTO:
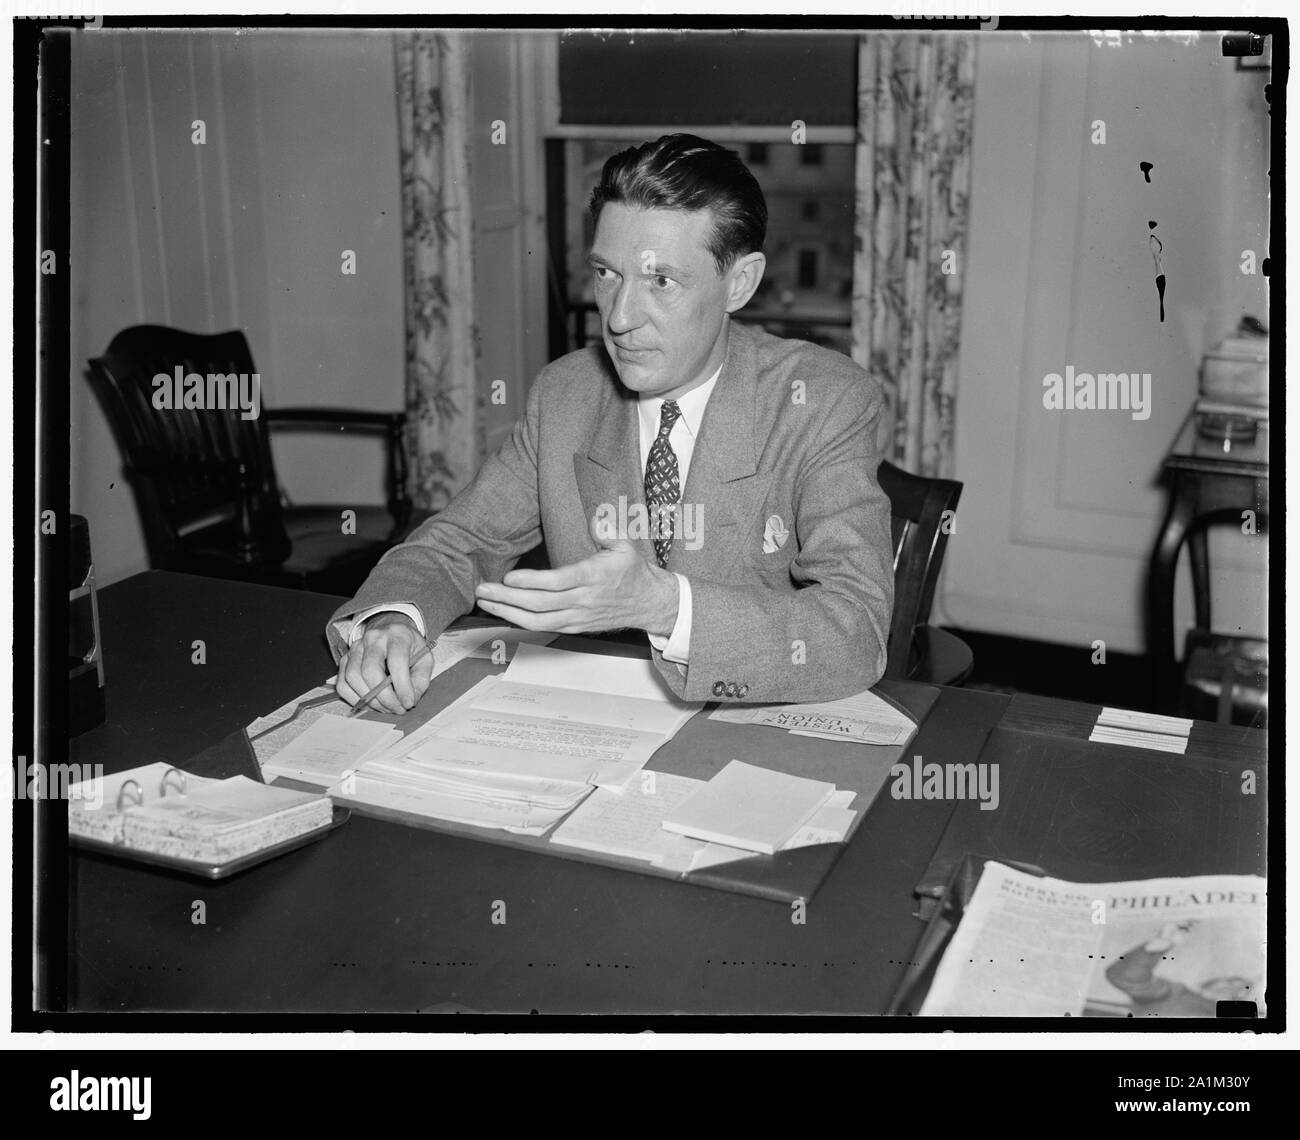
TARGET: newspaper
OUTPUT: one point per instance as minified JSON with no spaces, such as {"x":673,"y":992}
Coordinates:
{"x":1038,"y":947}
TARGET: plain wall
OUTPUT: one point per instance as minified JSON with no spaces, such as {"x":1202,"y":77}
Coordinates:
{"x":245,"y":231}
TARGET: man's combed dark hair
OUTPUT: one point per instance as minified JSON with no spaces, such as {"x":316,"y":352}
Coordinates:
{"x":685,"y":172}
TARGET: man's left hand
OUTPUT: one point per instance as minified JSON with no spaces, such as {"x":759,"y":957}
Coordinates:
{"x":613,"y":589}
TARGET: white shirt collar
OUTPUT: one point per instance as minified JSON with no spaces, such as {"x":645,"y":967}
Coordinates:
{"x":691,"y":405}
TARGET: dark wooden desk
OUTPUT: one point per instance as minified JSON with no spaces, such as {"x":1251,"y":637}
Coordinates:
{"x":381,"y":917}
{"x":385,"y":918}
{"x":1206,"y":484}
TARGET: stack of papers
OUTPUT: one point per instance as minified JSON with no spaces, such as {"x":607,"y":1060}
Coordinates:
{"x":331,"y":747}
{"x":757,"y":809}
{"x":523,"y":804}
{"x":630,"y":822}
{"x":521,"y":750}
{"x":862,"y":719}
{"x":582,"y":717}
{"x":1142,"y":730}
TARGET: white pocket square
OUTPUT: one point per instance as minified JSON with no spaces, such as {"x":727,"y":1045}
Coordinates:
{"x":774,"y":534}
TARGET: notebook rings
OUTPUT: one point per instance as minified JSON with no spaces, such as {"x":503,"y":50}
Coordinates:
{"x":126,"y":787}
{"x":137,"y":796}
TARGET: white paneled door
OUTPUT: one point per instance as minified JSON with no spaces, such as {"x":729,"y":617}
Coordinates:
{"x":1061,"y":506}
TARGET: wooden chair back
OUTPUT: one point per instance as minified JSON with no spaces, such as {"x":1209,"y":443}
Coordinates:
{"x":921,"y":514}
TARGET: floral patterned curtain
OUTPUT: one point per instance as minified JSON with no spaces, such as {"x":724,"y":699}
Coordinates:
{"x":915,"y":101}
{"x":445,"y":440}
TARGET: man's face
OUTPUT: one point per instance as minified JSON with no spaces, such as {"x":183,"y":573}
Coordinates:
{"x":660,"y":296}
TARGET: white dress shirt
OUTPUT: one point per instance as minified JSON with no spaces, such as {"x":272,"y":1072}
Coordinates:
{"x":676,"y":647}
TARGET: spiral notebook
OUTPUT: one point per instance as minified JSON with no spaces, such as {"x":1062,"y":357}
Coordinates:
{"x":157,"y":810}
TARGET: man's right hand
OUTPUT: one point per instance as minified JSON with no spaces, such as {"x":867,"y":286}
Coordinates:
{"x":385,"y":650}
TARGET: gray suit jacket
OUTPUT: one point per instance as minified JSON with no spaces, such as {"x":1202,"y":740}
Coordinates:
{"x":789,"y":431}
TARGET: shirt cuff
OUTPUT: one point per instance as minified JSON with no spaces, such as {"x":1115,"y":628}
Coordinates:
{"x":676,"y":647}
{"x":352,"y":633}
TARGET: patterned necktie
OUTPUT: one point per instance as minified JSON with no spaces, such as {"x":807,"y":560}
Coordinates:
{"x":662,"y":485}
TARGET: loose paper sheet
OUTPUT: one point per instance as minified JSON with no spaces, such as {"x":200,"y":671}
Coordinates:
{"x":629,"y":822}
{"x":509,"y":639}
{"x":863,"y":718}
{"x":525,"y":745}
{"x":1142,"y":730}
{"x":595,"y":676}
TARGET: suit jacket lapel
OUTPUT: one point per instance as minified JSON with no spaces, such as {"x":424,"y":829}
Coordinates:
{"x":723,"y":490}
{"x":610,"y":473}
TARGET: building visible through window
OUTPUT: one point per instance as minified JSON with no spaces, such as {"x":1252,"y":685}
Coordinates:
{"x":808,"y":282}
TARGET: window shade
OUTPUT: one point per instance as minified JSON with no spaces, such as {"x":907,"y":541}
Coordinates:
{"x":703,"y":78}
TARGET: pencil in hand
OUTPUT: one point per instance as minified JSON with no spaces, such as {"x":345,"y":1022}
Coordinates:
{"x":364,"y":703}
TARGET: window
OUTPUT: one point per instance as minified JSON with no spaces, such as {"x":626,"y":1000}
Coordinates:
{"x":645,"y":84}
{"x":805,"y":289}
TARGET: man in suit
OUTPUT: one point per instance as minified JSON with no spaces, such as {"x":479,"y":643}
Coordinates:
{"x":700,"y":480}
